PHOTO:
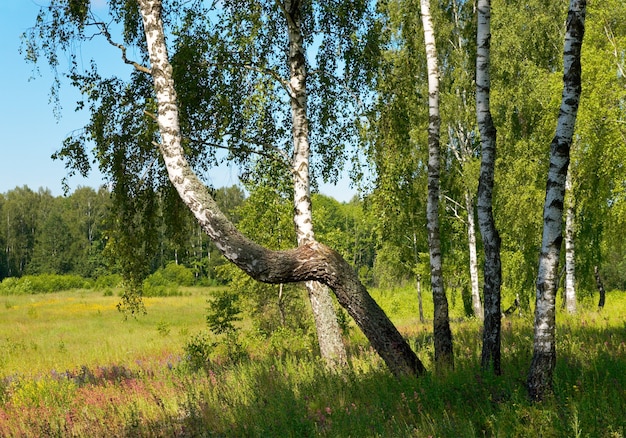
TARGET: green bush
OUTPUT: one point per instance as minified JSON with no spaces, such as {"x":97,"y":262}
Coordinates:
{"x":46,"y":283}
{"x":198,"y":351}
{"x":108,"y":281}
{"x":178,"y":274}
{"x":42,"y":283}
{"x":165,"y":282}
{"x":223,"y":312}
{"x":14,"y":286}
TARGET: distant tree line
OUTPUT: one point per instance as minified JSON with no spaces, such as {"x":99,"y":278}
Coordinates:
{"x":75,"y":234}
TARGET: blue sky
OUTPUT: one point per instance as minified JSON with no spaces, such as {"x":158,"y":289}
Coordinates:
{"x":30,"y":132}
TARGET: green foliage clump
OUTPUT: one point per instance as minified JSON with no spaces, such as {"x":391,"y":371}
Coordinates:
{"x":108,"y":281}
{"x":46,"y":283}
{"x":15,"y":286}
{"x":43,"y":283}
{"x":165,"y":282}
{"x":177,"y":274}
{"x":198,"y":351}
{"x":223,"y":312}
{"x":222,"y":315}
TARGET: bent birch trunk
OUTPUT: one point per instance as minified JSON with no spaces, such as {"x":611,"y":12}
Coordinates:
{"x":311,"y":261}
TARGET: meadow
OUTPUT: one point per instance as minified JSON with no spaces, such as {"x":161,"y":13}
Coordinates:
{"x":72,"y":365}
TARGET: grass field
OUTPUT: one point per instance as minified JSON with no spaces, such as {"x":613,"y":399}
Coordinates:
{"x":72,"y":365}
{"x":39,"y":333}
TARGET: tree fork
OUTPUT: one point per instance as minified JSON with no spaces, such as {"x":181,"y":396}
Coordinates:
{"x":311,"y":261}
{"x":329,"y":338}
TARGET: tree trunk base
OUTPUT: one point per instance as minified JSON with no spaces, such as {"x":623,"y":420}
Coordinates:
{"x":332,"y":349}
{"x":540,"y":376}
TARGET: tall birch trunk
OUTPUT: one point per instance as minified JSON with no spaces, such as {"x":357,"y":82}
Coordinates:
{"x":444,"y":356}
{"x":570,"y":264}
{"x":491,"y":239}
{"x":329,"y":338}
{"x":544,"y":351}
{"x":463,"y":153}
{"x":312,"y":261}
{"x":477,"y":305}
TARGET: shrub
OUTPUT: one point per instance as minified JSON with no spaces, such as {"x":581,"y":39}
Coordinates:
{"x":198,"y":351}
{"x":15,"y":286}
{"x":164,"y":328}
{"x":108,"y":281}
{"x":165,"y":282}
{"x":42,"y":283}
{"x":178,"y":274}
{"x":223,"y":312}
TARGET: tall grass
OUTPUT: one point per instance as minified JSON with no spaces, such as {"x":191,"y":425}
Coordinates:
{"x":39,"y":333}
{"x":130,"y":378}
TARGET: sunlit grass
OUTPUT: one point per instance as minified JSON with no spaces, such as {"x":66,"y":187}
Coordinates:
{"x":68,"y":329}
{"x":71,"y":365}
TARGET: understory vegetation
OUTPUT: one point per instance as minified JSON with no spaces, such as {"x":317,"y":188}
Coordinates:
{"x":199,"y":365}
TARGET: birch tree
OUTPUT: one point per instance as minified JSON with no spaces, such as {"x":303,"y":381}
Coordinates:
{"x":328,"y":331}
{"x":459,"y":116}
{"x":177,"y":144}
{"x":442,"y":334}
{"x":570,"y":259}
{"x":311,"y":261}
{"x":544,"y":350}
{"x":462,"y":152}
{"x":491,"y":238}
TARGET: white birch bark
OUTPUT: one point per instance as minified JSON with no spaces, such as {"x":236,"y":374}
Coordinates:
{"x":544,"y":350}
{"x":312,"y":261}
{"x":473,"y":257}
{"x":331,"y":345}
{"x":491,"y":238}
{"x":442,"y":333}
{"x":462,"y":150}
{"x":570,"y":263}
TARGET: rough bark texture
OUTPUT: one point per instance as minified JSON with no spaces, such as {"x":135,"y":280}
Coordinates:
{"x":544,"y":351}
{"x":329,"y":337}
{"x":491,"y":238}
{"x":570,"y":264}
{"x":309,"y":262}
{"x":443,"y":335}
